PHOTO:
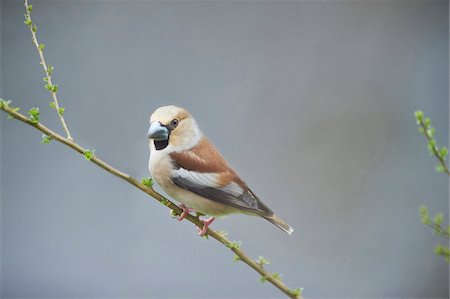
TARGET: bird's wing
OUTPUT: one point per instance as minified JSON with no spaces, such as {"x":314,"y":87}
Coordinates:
{"x":203,"y":171}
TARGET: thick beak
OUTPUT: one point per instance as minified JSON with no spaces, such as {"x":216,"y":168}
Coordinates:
{"x":157,"y":131}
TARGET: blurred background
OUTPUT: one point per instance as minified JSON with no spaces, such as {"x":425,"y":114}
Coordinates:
{"x":311,"y":102}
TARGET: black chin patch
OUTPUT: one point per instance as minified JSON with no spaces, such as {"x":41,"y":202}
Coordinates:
{"x":161,"y":144}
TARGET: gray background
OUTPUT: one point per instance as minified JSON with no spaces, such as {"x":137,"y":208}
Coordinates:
{"x":312,"y":102}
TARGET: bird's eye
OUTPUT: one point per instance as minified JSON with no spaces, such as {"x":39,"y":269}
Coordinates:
{"x":174,"y":122}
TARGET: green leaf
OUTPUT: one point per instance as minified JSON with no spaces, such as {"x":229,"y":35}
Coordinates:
{"x":234,"y":244}
{"x":236,"y":258}
{"x":276,"y":276}
{"x":297,"y":292}
{"x":46,"y":139}
{"x":439,"y":249}
{"x":52,"y":105}
{"x":438,"y":219}
{"x":41,"y":46}
{"x":50,"y":69}
{"x":262,"y":261}
{"x":147,"y":182}
{"x":49,"y":87}
{"x":443,"y":152}
{"x":424,"y":215}
{"x":34,"y":115}
{"x":173,"y":214}
{"x":418,"y":114}
{"x":61,"y":111}
{"x":262,"y":279}
{"x":88,"y":154}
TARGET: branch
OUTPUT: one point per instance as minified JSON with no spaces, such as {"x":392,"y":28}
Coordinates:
{"x":258,"y":266}
{"x":426,"y":129}
{"x":47,"y":69}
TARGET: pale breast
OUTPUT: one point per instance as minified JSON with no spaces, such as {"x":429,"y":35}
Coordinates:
{"x":160,"y":167}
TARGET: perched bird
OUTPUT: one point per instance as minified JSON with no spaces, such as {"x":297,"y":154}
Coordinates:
{"x":192,"y":171}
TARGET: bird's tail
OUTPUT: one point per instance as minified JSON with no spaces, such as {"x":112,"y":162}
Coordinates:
{"x":280,"y":223}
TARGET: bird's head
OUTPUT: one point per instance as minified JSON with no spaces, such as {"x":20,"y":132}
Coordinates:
{"x":173,"y":126}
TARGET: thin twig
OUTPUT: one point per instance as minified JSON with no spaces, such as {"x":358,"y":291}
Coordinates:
{"x":150,"y":191}
{"x":434,"y":149}
{"x":47,"y":70}
{"x":439,"y":230}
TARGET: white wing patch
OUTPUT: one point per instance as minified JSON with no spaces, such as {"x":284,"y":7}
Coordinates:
{"x":208,"y":180}
{"x":233,"y":189}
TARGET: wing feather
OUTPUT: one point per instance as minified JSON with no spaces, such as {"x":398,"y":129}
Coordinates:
{"x":203,"y":171}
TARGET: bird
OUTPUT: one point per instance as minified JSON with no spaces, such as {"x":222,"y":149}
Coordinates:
{"x":191,"y":170}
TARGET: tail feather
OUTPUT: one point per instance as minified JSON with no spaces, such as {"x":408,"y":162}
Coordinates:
{"x":280,"y":223}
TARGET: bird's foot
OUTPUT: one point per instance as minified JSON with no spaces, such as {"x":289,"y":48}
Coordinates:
{"x":185,"y":212}
{"x":206,"y":223}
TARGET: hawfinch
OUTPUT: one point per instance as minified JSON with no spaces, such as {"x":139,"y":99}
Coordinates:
{"x":192,"y":171}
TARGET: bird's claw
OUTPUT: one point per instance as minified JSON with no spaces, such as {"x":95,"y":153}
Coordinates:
{"x":184,"y":213}
{"x":206,"y":223}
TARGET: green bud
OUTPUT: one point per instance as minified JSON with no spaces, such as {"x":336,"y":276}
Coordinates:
{"x":88,"y":154}
{"x":61,"y":111}
{"x":262,"y":279}
{"x":262,"y":261}
{"x":276,"y":276}
{"x":418,"y":114}
{"x":438,"y":219}
{"x":297,"y":292}
{"x":50,"y":69}
{"x":234,"y":244}
{"x":55,"y":88}
{"x":28,"y":22}
{"x":172,"y":214}
{"x":33,"y":28}
{"x":34,"y":115}
{"x":438,"y":249}
{"x":443,"y":152}
{"x":424,"y":215}
{"x":46,"y":139}
{"x":431,"y":131}
{"x":41,"y":46}
{"x":49,"y":87}
{"x":52,"y":105}
{"x":30,"y":8}
{"x":427,"y":122}
{"x":236,"y":258}
{"x":147,"y":182}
